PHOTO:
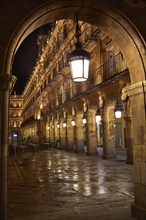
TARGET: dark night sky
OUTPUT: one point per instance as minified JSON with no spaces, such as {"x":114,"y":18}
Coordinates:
{"x":25,"y":59}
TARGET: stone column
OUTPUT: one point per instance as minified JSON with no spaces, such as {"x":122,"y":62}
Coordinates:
{"x":91,"y":134}
{"x":108,"y":139}
{"x":48,"y":133}
{"x":137,"y":94}
{"x":62,"y":135}
{"x":128,"y":140}
{"x":6,"y":85}
{"x":70,"y":138}
{"x":57,"y":134}
{"x":66,"y":137}
{"x":40,"y":132}
{"x":78,"y":133}
{"x":52,"y":133}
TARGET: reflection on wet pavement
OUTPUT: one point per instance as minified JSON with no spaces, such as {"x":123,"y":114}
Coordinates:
{"x":59,"y":185}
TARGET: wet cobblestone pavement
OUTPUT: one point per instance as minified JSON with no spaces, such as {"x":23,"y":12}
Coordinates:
{"x":60,"y":185}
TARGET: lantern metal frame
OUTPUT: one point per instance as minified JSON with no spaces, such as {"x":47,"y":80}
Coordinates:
{"x":79,"y":59}
{"x":84,"y":119}
{"x":64,"y":124}
{"x":73,"y":122}
{"x":98,"y":116}
{"x":118,"y":109}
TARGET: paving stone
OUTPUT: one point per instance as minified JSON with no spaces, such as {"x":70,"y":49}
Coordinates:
{"x":61,"y":185}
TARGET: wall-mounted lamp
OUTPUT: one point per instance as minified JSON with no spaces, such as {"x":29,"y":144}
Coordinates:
{"x":118,"y":109}
{"x":53,"y":126}
{"x":64,"y":124}
{"x":98,"y":116}
{"x":79,"y":59}
{"x":73,"y":122}
{"x":48,"y":127}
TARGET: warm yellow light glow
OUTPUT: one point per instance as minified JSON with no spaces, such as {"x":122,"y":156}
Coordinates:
{"x":41,"y":105}
{"x":64,"y":124}
{"x":98,"y":118}
{"x":118,"y":114}
{"x":84,"y":120}
{"x":79,"y":70}
{"x":38,"y":117}
{"x":73,"y":123}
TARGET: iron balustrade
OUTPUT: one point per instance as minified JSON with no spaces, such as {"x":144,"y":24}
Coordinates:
{"x":106,"y":72}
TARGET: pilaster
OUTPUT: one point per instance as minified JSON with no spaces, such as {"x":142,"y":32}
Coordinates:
{"x":128,"y":140}
{"x":6,"y":85}
{"x":137,"y":94}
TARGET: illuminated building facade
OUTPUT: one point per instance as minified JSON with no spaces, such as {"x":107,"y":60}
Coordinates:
{"x":51,"y":97}
{"x":15,"y":114}
{"x":117,"y":43}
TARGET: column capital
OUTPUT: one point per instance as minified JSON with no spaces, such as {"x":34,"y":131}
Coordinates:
{"x":7,"y":82}
{"x":127,"y":119}
{"x":136,"y":88}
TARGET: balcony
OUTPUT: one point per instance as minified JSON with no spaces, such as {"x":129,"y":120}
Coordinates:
{"x":99,"y":77}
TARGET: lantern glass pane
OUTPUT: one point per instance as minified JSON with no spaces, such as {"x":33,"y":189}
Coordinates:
{"x":98,"y":118}
{"x":86,"y":68}
{"x":64,"y":124}
{"x":79,"y":70}
{"x":118,"y":114}
{"x":73,"y":123}
{"x":84,"y":120}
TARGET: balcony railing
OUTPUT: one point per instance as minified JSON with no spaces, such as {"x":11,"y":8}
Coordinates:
{"x":105,"y":71}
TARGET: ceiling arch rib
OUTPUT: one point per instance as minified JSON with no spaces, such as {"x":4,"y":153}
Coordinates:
{"x":109,"y":20}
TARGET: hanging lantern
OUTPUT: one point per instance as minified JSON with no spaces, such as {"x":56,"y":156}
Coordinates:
{"x":98,"y":116}
{"x":73,"y":122}
{"x":118,"y":109}
{"x":79,"y":59}
{"x":64,"y":124}
{"x":84,"y":120}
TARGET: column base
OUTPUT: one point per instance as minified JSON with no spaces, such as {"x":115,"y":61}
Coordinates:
{"x":138,"y":212}
{"x":91,"y":153}
{"x":108,"y":157}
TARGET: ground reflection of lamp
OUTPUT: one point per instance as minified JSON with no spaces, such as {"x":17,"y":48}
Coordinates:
{"x":98,"y":116}
{"x":79,"y":59}
{"x":118,"y":109}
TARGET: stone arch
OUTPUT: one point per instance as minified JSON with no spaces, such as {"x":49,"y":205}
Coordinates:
{"x":111,"y":21}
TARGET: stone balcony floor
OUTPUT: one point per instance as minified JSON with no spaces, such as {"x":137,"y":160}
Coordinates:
{"x":60,"y":185}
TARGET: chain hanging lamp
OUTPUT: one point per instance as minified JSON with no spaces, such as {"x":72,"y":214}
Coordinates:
{"x":79,"y":59}
{"x":118,"y":109}
{"x":98,"y":116}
